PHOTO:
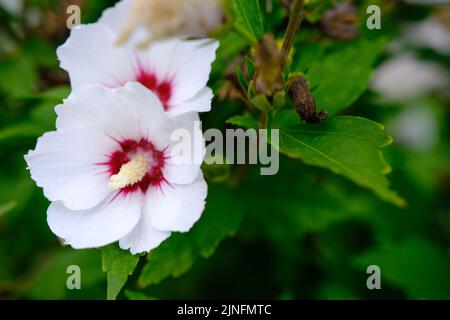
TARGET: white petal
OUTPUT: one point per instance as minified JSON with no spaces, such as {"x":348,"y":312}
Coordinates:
{"x":201,"y":102}
{"x":65,"y":165}
{"x":90,"y":56}
{"x":130,"y":111}
{"x":91,"y":121}
{"x":186,"y":154}
{"x":186,"y":63}
{"x":111,"y":220}
{"x":144,"y":237}
{"x":177,"y":207}
{"x":203,"y":17}
{"x":116,"y":16}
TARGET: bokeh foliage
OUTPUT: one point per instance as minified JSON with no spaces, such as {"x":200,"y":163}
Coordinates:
{"x":303,"y":233}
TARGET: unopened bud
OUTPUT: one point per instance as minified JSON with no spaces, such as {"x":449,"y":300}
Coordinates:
{"x":304,"y":102}
{"x":340,"y":22}
{"x":269,"y":64}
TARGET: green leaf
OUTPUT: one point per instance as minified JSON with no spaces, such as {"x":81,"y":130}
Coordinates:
{"x":230,"y":46}
{"x":222,"y":218}
{"x":173,"y":257}
{"x":250,"y":65}
{"x":309,"y":55}
{"x":49,"y":277}
{"x":16,"y":188}
{"x":338,"y":78}
{"x":241,"y":79}
{"x":20,"y":130}
{"x":348,"y":146}
{"x":249,"y":17}
{"x":295,"y":202}
{"x":177,"y":255}
{"x":244,"y":121}
{"x":21,"y":77}
{"x":119,"y":264}
{"x":7,"y":207}
{"x":414,"y":264}
{"x":42,"y":116}
{"x":262,"y":103}
{"x":316,"y":9}
{"x":136,"y":295}
{"x":40,"y":52}
{"x":279,"y":100}
{"x":57,"y":93}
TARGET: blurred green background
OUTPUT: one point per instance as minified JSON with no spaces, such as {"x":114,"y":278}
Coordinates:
{"x":302,"y":234}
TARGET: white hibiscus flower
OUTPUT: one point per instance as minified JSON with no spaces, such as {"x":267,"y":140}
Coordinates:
{"x":109,"y":172}
{"x":176,"y":70}
{"x":147,"y":21}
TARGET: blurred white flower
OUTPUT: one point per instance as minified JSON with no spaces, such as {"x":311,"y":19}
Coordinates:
{"x":431,"y":33}
{"x":427,"y":2}
{"x":176,"y":70}
{"x":153,"y":20}
{"x":12,"y":6}
{"x":109,"y":173}
{"x":405,"y":77}
{"x":416,"y":127}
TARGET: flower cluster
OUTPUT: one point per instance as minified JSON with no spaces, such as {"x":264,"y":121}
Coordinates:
{"x":108,"y":169}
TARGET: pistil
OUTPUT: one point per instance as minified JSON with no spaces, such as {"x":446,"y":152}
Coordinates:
{"x":130,"y":173}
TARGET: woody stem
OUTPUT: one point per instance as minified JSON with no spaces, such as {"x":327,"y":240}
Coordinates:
{"x":294,"y":24}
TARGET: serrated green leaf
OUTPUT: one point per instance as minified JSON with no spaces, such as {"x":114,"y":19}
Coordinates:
{"x":248,"y":16}
{"x":414,"y":264}
{"x":118,"y":264}
{"x":177,"y":255}
{"x":339,"y":77}
{"x":244,"y":121}
{"x":348,"y":146}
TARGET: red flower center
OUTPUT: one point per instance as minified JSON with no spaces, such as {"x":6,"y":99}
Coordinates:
{"x":163,"y":89}
{"x":128,"y":150}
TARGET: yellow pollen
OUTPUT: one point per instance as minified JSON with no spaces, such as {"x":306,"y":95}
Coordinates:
{"x":130,"y":173}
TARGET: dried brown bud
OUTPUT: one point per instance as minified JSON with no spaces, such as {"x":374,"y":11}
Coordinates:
{"x":304,"y":102}
{"x":269,"y":65}
{"x":340,"y":22}
{"x":287,"y":4}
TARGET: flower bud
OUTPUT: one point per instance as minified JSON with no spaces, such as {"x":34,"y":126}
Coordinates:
{"x":340,"y":22}
{"x":269,"y":64}
{"x":304,"y":102}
